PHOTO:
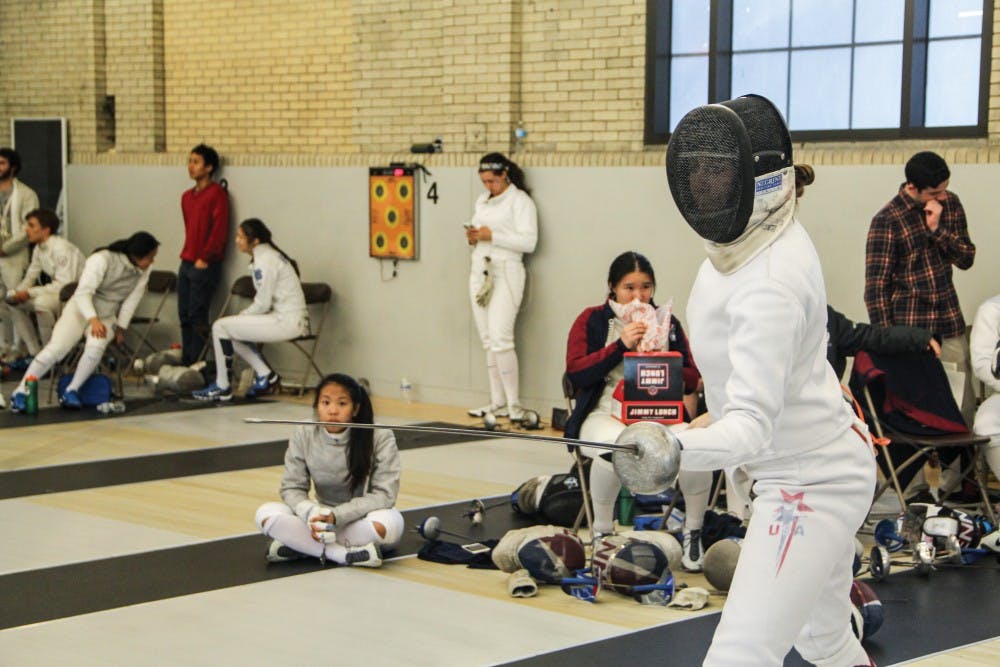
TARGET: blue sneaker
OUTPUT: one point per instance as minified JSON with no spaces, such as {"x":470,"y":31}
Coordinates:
{"x":262,"y":384}
{"x":213,"y":392}
{"x":18,"y":401}
{"x":70,"y":400}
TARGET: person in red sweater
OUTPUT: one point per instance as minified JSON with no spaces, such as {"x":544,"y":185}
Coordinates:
{"x":206,"y":229}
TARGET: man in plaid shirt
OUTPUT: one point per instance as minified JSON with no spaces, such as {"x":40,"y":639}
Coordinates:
{"x":912,"y":243}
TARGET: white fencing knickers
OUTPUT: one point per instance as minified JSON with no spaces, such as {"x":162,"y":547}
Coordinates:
{"x":46,"y":310}
{"x":67,"y":331}
{"x":11,"y":272}
{"x":495,"y":323}
{"x":278,"y":521}
{"x":263,"y":328}
{"x":793,"y":580}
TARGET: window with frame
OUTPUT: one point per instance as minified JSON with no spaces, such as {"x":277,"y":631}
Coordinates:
{"x":837,"y":69}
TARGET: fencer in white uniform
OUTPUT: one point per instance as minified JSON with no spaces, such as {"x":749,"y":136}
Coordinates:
{"x":110,"y":287}
{"x":16,"y":201}
{"x":278,"y":313}
{"x":757,"y":316}
{"x":57,"y":258}
{"x":352,"y":517}
{"x":503,"y":228}
{"x":984,"y":344}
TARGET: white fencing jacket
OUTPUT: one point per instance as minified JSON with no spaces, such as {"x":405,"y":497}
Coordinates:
{"x":758,"y":335}
{"x":278,"y":288}
{"x":110,"y":287}
{"x":22,"y":200}
{"x":57,"y":257}
{"x":513,"y":221}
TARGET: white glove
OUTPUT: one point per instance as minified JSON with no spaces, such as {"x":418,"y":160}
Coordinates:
{"x":486,"y":291}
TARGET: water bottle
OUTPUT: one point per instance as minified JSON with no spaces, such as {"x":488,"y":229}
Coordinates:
{"x":626,"y":507}
{"x":406,"y":390}
{"x":31,"y":402}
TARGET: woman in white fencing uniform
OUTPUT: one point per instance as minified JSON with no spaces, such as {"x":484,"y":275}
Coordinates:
{"x":111,"y":285}
{"x":355,"y":476}
{"x":278,"y":313}
{"x":503,"y":228}
{"x":757,"y":319}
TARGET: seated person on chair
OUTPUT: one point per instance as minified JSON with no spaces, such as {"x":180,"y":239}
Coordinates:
{"x":278,"y":313}
{"x":595,"y":351}
{"x":985,"y":346}
{"x":355,"y":473}
{"x":57,"y":258}
{"x":112,"y":284}
{"x":847,"y":338}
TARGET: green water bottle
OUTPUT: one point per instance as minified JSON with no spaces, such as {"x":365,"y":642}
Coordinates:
{"x":31,"y":403}
{"x":626,"y":507}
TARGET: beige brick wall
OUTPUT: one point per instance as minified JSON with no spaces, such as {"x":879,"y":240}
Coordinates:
{"x":49,"y":52}
{"x":356,"y":81}
{"x":135,"y":73}
{"x":258,"y":76}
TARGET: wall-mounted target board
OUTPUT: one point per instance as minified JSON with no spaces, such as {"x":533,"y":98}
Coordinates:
{"x":392,"y":206}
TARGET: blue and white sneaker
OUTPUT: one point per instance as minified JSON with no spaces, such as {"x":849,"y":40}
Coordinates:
{"x":214,"y":392}
{"x":70,"y":400}
{"x":262,"y":384}
{"x":18,"y":401}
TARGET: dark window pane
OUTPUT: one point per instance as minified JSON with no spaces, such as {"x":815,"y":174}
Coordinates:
{"x":952,"y":83}
{"x":821,"y":22}
{"x":760,"y":24}
{"x":877,"y":86}
{"x":820,"y":90}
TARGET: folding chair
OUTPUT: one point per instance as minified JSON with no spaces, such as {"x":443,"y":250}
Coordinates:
{"x":868,"y":378}
{"x":162,"y":283}
{"x":318,"y":298}
{"x":586,"y":512}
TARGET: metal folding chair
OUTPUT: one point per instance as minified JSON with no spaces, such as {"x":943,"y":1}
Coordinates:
{"x":161,"y":284}
{"x":318,"y":297}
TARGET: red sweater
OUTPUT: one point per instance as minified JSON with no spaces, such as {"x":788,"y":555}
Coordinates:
{"x":206,"y":223}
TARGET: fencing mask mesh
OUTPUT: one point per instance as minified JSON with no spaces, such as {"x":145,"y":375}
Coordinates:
{"x":713,"y":157}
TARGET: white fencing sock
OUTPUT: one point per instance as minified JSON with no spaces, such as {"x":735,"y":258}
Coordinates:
{"x":696,"y":487}
{"x":497,"y":398}
{"x":604,"y":488}
{"x":507,"y":365}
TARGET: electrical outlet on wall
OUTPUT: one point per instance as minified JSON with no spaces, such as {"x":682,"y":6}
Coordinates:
{"x":475,"y":137}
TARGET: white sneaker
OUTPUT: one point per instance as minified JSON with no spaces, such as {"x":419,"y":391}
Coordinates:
{"x":693,"y":555}
{"x":279,"y":553}
{"x":991,"y":541}
{"x":367,"y":556}
{"x":516,"y":413}
{"x":498,"y":411}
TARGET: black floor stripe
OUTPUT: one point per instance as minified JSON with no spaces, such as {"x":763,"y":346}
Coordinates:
{"x":80,"y":588}
{"x":133,"y":407}
{"x":952,"y":607}
{"x":147,"y":468}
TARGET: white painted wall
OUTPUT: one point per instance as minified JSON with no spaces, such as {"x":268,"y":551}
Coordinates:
{"x":418,"y":325}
